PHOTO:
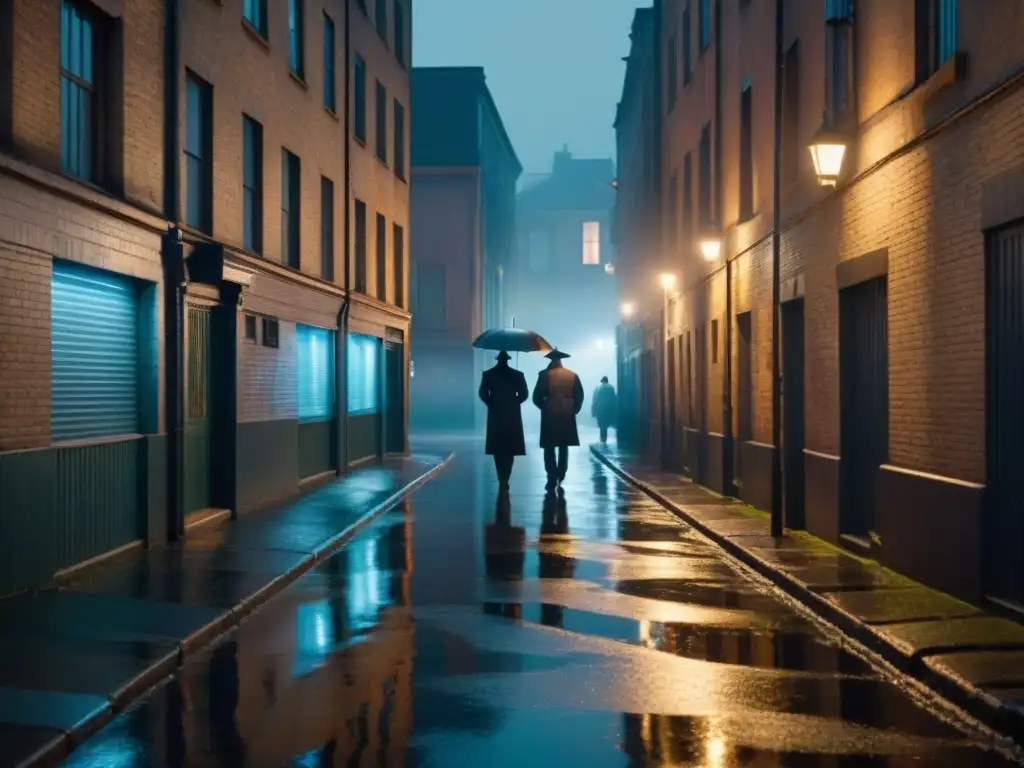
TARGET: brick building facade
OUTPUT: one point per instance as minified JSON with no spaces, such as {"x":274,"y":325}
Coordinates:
{"x":179,"y":200}
{"x":899,"y":397}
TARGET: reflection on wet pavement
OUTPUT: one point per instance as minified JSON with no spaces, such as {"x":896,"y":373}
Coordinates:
{"x":591,"y":630}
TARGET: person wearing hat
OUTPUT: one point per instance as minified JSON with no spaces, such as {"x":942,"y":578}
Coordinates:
{"x":503,"y":390}
{"x":559,"y":395}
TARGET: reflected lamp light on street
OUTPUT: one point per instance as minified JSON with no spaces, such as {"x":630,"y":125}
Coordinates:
{"x":628,"y":309}
{"x":828,"y":150}
{"x":667,"y":280}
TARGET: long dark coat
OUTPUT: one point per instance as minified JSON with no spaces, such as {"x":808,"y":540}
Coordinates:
{"x":559,"y":395}
{"x":603,"y":408}
{"x":503,"y":390}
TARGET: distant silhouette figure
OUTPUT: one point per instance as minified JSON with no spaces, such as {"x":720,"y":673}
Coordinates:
{"x":559,"y":395}
{"x":503,"y":390}
{"x":603,"y":407}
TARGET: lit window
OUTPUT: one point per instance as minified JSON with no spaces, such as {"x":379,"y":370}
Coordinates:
{"x":591,"y":242}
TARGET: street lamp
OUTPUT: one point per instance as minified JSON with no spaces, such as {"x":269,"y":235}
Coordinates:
{"x":710,"y":244}
{"x":668,"y":282}
{"x":828,"y":149}
{"x":628,"y":309}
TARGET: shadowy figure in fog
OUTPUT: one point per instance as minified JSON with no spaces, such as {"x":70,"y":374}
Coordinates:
{"x":603,"y":407}
{"x":559,"y":395}
{"x":503,"y":390}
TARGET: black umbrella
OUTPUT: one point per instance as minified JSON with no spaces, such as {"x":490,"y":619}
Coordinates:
{"x":511,"y":340}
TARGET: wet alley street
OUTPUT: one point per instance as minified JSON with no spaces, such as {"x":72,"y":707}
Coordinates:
{"x":591,"y":630}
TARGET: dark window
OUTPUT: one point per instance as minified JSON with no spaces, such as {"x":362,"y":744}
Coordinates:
{"x":296,"y":43}
{"x":704,"y":19}
{"x":291,"y":196}
{"x":198,"y":153}
{"x":382,"y":258}
{"x":936,"y":25}
{"x":400,"y":32}
{"x":359,"y":95}
{"x":326,"y":228}
{"x":399,"y":129}
{"x":270,"y":331}
{"x":747,"y":153}
{"x":687,"y":46}
{"x":250,"y":327}
{"x":791,"y":149}
{"x":79,"y":104}
{"x":838,"y":54}
{"x":714,"y":341}
{"x":360,"y":246}
{"x":688,"y":204}
{"x":398,"y":257}
{"x":362,"y":5}
{"x":430,"y":307}
{"x":704,"y":182}
{"x":330,"y":86}
{"x":381,"y":9}
{"x":252,"y":184}
{"x":255,"y":12}
{"x":673,"y":215}
{"x":672,"y":64}
{"x":382,"y":122}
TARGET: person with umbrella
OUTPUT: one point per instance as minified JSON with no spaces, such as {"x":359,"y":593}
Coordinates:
{"x":559,"y":396}
{"x":503,"y":390}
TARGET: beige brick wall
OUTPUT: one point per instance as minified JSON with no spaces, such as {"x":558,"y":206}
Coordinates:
{"x":268,"y":384}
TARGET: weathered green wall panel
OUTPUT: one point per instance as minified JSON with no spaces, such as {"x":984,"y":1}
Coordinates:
{"x":363,"y":437}
{"x":316,"y":447}
{"x":268,"y":463}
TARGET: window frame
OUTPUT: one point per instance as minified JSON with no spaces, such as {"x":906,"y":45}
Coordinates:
{"x":704,"y":24}
{"x":382,"y":257}
{"x":204,"y":161}
{"x":330,"y":65}
{"x":291,"y":209}
{"x":381,"y":123}
{"x":705,"y":208}
{"x":398,"y":262}
{"x":88,"y":128}
{"x":327,"y":233}
{"x":380,"y":19}
{"x":359,"y":246}
{"x":746,"y":152}
{"x":359,"y":99}
{"x":252,"y":189}
{"x":297,"y":38}
{"x":591,"y":236}
{"x":260,"y":25}
{"x":398,"y":17}
{"x":398,"y":130}
{"x":687,"y":45}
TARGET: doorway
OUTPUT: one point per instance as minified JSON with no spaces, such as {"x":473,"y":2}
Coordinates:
{"x":793,"y":412}
{"x":745,"y":390}
{"x":198,"y":412}
{"x":669,"y":417}
{"x":864,"y":403}
{"x":394,"y":377}
{"x":1004,"y":415}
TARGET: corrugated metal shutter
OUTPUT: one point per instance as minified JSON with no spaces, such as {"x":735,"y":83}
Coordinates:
{"x":95,"y":353}
{"x":316,"y":373}
{"x":363,"y":374}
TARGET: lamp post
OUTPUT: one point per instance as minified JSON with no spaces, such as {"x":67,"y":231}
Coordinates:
{"x":828,"y":149}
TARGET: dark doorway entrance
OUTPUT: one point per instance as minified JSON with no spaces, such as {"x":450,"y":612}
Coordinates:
{"x":198,"y":412}
{"x":793,"y":412}
{"x":669,"y":417}
{"x":864,"y":402}
{"x":701,"y":387}
{"x":745,"y":387}
{"x":394,"y":377}
{"x":1004,"y":417}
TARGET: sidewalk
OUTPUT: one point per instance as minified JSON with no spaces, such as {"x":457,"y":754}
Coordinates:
{"x":974,"y":659}
{"x":71,"y":658}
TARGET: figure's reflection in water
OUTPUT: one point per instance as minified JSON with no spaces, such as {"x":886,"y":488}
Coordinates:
{"x":554,"y":526}
{"x":504,"y":555}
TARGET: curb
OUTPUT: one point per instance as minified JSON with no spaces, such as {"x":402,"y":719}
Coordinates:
{"x":1007,"y":721}
{"x":62,"y":746}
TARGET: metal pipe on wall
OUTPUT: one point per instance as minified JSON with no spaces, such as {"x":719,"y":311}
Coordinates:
{"x":341,"y":335}
{"x":727,"y":443}
{"x":776,"y":510}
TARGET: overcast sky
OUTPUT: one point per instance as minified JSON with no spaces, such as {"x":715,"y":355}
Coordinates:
{"x":554,"y":67}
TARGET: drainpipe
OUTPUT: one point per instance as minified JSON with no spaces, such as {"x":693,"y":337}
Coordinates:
{"x":655,"y":224}
{"x":173,"y":258}
{"x":776,"y":516}
{"x":727,"y":441}
{"x":341,"y":335}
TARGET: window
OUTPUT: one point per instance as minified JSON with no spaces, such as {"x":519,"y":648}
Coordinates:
{"x":78,"y":101}
{"x":296,"y":43}
{"x":687,"y":46}
{"x":591,"y":242}
{"x":360,"y":246}
{"x":291,"y":196}
{"x":326,"y":228}
{"x":673,"y":214}
{"x":382,"y":122}
{"x":704,"y":19}
{"x":255,"y":12}
{"x":198,"y":153}
{"x":382,"y":257}
{"x":746,"y":153}
{"x":400,"y":32}
{"x":315,"y":355}
{"x":363,"y":374}
{"x":936,"y":25}
{"x":94,"y":351}
{"x":399,"y":129}
{"x":688,"y":203}
{"x":704,"y":183}
{"x":398,"y":258}
{"x":792,"y":153}
{"x":430,"y":306}
{"x":672,"y":64}
{"x":252,"y":184}
{"x":838,"y":54}
{"x":270,"y":332}
{"x":381,"y":13}
{"x":330,"y":86}
{"x":250,"y":328}
{"x":714,"y":341}
{"x":359,"y":94}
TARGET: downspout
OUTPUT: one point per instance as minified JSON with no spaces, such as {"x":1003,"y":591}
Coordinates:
{"x":776,"y":509}
{"x":341,"y":335}
{"x":656,"y":214}
{"x":728,"y":453}
{"x":173,"y":258}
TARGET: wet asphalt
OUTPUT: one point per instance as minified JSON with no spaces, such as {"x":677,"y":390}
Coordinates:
{"x":590,"y":629}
